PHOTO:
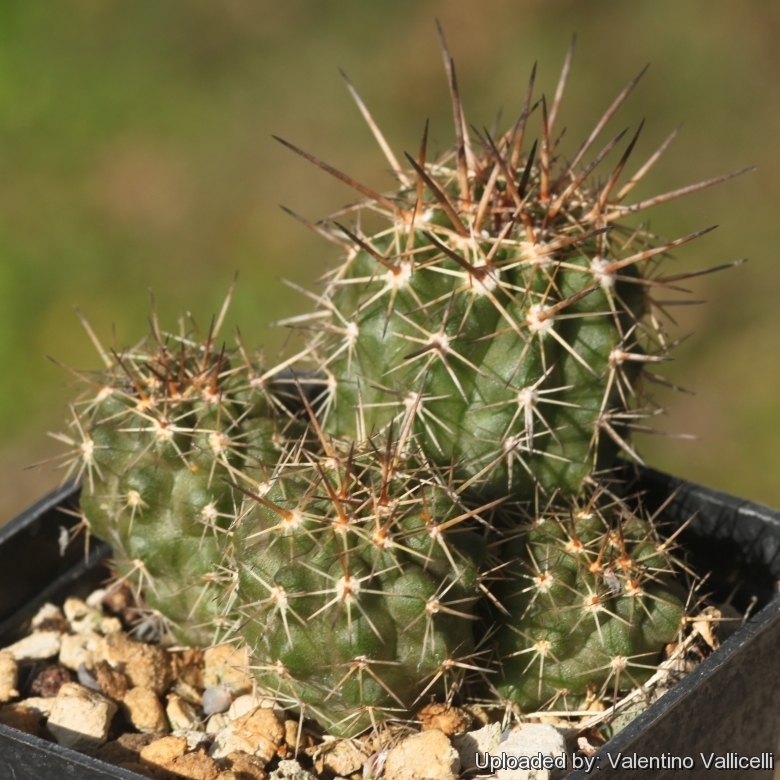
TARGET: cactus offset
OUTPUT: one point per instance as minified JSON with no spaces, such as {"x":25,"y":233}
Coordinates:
{"x":356,"y":585}
{"x":591,"y":604}
{"x":156,"y":436}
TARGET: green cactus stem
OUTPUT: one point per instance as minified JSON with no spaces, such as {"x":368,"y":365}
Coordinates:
{"x":505,"y":304}
{"x":155,"y":437}
{"x":356,"y":585}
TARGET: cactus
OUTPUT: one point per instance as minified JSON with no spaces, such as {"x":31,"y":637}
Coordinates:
{"x":356,"y":585}
{"x":503,"y":302}
{"x":444,"y":513}
{"x":591,"y":603}
{"x":504,"y":315}
{"x":353,"y":579}
{"x":155,"y":437}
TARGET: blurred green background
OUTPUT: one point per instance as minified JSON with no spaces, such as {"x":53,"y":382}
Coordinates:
{"x":136,"y":152}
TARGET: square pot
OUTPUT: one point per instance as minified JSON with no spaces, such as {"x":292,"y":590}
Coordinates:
{"x":728,"y":705}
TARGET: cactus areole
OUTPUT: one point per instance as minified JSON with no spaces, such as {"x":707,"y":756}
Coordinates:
{"x":424,"y":501}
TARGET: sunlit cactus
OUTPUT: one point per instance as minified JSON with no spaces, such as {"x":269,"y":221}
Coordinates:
{"x":356,"y":584}
{"x":587,"y":603}
{"x":156,"y":436}
{"x":505,"y":302}
{"x":505,"y":313}
{"x":427,"y":500}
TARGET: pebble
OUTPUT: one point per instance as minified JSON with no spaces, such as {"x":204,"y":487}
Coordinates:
{"x":162,"y":751}
{"x":95,"y":599}
{"x":49,"y":618}
{"x":181,"y":713}
{"x":80,"y":718}
{"x":188,"y":667}
{"x":40,"y":706}
{"x":345,"y":757}
{"x":81,"y":617}
{"x":144,"y":710}
{"x":49,"y":680}
{"x":145,"y":666}
{"x":244,"y":767}
{"x":216,"y":698}
{"x":484,"y":740}
{"x":75,"y":609}
{"x":217,"y":722}
{"x":227,"y":665}
{"x":38,"y":646}
{"x":77,"y":649}
{"x":21,"y":717}
{"x":195,"y":766}
{"x":428,"y":755}
{"x":293,"y":735}
{"x":111,"y":681}
{"x":9,"y":676}
{"x":110,"y":625}
{"x":195,"y":739}
{"x":249,"y":701}
{"x":450,"y":720}
{"x":290,"y":770}
{"x":530,"y":740}
{"x":242,"y":705}
{"x":187,"y":692}
{"x":170,"y":753}
{"x":259,"y":733}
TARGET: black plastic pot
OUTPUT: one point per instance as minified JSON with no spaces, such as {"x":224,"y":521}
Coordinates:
{"x":729,"y":704}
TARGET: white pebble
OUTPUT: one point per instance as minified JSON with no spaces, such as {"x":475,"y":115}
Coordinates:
{"x":484,"y":740}
{"x":530,"y":740}
{"x":216,"y":723}
{"x":46,"y":612}
{"x":249,"y":701}
{"x":80,"y":718}
{"x":290,"y":769}
{"x":110,"y":624}
{"x":9,"y":676}
{"x":259,"y":733}
{"x":228,"y":665}
{"x":41,"y":705}
{"x":181,"y":714}
{"x":82,"y":618}
{"x":217,"y":698}
{"x":95,"y":599}
{"x":37,"y":646}
{"x":428,"y":755}
{"x":74,"y":609}
{"x":77,"y":649}
{"x":194,"y":738}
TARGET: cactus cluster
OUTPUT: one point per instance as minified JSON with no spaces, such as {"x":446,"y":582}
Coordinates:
{"x":426,"y":500}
